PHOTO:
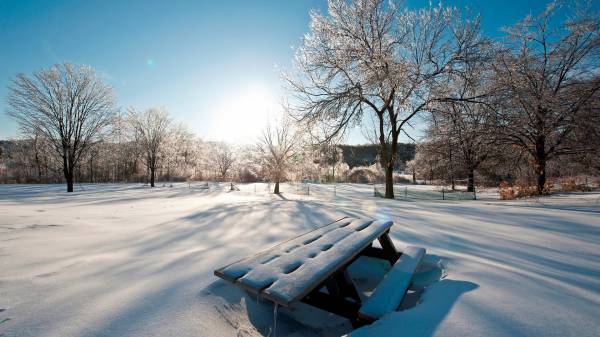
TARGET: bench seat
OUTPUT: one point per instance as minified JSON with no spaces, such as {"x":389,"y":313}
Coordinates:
{"x":389,"y":293}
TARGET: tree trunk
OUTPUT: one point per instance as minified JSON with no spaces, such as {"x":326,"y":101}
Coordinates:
{"x":70,"y":184}
{"x":451,"y":168}
{"x":540,"y":164}
{"x":152,"y":177}
{"x":333,"y":173}
{"x":541,"y":180}
{"x":69,"y":178}
{"x":414,"y":177}
{"x":39,"y":168}
{"x":391,"y":162}
{"x":68,"y":172}
{"x":389,"y":182}
{"x":471,"y":181}
{"x":91,"y":170}
{"x":276,"y":190}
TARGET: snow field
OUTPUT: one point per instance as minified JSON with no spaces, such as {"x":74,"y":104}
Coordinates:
{"x":127,"y":260}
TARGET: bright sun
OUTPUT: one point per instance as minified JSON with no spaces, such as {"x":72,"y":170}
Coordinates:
{"x":242,"y":118}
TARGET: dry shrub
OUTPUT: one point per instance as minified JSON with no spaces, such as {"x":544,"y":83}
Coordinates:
{"x":571,"y":185}
{"x":507,"y":192}
{"x":524,"y":190}
{"x":520,"y":190}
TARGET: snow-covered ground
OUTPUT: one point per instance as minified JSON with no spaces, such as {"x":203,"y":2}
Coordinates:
{"x":127,"y":260}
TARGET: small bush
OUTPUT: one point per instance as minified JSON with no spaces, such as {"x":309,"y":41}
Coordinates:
{"x":570,"y":185}
{"x":507,"y":192}
{"x":524,"y":190}
{"x":365,"y":175}
{"x":398,"y":179}
{"x":520,"y":190}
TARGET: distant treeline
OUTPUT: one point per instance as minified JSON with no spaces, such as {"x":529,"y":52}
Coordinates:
{"x":32,"y":160}
{"x":366,"y":155}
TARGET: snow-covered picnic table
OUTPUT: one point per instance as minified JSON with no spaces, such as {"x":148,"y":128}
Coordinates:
{"x":296,"y":269}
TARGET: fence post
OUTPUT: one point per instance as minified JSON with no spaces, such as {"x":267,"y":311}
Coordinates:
{"x":334,"y":193}
{"x":406,"y":191}
{"x":474,"y":193}
{"x":443,"y":197}
{"x":374,"y":190}
{"x":307,"y":189}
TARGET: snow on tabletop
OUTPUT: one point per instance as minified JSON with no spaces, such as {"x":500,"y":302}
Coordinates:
{"x":288,"y":271}
{"x":389,"y":293}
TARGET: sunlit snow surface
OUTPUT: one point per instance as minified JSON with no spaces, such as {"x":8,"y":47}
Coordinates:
{"x":127,"y":260}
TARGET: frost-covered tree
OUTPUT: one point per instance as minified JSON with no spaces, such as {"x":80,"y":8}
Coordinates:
{"x":464,"y":129}
{"x":177,"y":152}
{"x":464,"y":132}
{"x":329,"y":156}
{"x":150,"y":131}
{"x":69,"y":105}
{"x":548,"y":73}
{"x":276,"y":148}
{"x":223,"y":158}
{"x":370,"y":56}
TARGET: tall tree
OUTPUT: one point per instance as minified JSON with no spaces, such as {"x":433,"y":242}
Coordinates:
{"x":276,"y":147}
{"x":150,"y":129}
{"x":548,"y":75}
{"x":223,"y":158}
{"x":465,"y":128}
{"x":370,"y":56}
{"x":68,"y":104}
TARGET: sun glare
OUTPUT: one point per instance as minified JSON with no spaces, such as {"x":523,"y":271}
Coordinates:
{"x":242,"y":117}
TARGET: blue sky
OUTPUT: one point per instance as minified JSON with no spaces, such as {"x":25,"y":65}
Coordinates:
{"x":207,"y":62}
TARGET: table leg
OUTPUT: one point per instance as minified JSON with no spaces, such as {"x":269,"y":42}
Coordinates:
{"x":389,"y":250}
{"x":342,"y":298}
{"x":347,"y":286}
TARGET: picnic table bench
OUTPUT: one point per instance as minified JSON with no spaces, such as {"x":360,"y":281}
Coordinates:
{"x":299,"y":269}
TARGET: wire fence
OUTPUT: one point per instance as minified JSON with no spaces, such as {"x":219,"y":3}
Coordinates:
{"x":423,"y":194}
{"x":417,"y":192}
{"x":300,"y":188}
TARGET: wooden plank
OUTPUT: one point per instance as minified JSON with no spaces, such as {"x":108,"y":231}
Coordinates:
{"x":347,"y":286}
{"x":389,"y":250}
{"x":389,"y":293}
{"x":219,"y":272}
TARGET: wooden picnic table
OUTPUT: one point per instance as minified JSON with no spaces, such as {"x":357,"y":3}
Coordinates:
{"x":297,"y":269}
